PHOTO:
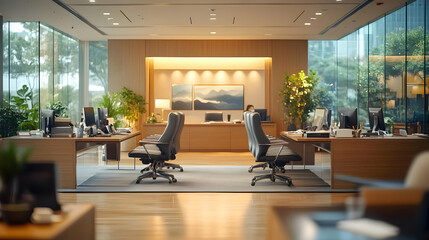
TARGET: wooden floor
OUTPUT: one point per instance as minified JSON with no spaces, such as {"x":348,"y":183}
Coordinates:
{"x":193,"y":215}
{"x":190,"y":215}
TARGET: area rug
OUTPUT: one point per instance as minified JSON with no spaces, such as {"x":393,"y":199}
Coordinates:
{"x":202,"y":179}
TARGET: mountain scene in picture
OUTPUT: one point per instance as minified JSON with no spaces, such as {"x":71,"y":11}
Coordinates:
{"x":181,"y":98}
{"x":218,"y":97}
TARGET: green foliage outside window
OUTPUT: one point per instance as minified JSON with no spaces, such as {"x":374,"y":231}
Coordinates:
{"x":60,"y":109}
{"x":298,"y":96}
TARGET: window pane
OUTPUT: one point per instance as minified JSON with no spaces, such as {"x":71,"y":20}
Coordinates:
{"x":352,"y":69}
{"x":395,"y":66}
{"x":322,"y":58}
{"x":415,"y":64}
{"x":46,"y":65}
{"x":6,"y":62}
{"x":66,"y":73}
{"x":98,"y":65}
{"x":362,"y":81}
{"x":24,"y":70}
{"x":376,"y":63}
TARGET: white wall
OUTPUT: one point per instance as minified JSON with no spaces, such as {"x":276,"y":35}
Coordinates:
{"x":253,"y":81}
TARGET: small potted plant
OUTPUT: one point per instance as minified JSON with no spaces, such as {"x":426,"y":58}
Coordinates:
{"x":12,"y":161}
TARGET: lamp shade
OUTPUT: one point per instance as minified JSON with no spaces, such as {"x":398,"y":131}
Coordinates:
{"x":162,"y":103}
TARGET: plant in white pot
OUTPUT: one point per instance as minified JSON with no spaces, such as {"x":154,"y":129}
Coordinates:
{"x":12,"y":161}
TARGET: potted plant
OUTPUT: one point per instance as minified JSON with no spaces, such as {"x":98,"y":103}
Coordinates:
{"x":132,"y":105}
{"x":297,"y":99}
{"x":60,"y":109}
{"x":10,"y":119}
{"x":111,"y":101}
{"x":11,"y":165}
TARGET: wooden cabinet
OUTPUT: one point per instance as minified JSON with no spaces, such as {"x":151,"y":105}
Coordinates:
{"x":211,"y":137}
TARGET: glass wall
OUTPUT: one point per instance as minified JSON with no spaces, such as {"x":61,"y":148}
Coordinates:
{"x":98,"y":65}
{"x":382,"y":65}
{"x":41,"y":67}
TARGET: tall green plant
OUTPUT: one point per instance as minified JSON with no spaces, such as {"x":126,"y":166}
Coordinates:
{"x":132,"y":104}
{"x":297,"y":97}
{"x":24,"y":102}
{"x":111,"y":101}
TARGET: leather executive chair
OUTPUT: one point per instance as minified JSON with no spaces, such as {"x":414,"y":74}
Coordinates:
{"x":176,"y":145}
{"x":156,"y":152}
{"x":276,"y":154}
{"x":271,"y":138}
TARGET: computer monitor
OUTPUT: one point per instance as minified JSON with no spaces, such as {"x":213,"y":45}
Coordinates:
{"x":102,"y":118}
{"x":348,"y":117}
{"x":319,"y":118}
{"x":262,"y":113}
{"x":214,"y":117}
{"x":376,"y":119}
{"x":48,"y":120}
{"x":88,"y":114}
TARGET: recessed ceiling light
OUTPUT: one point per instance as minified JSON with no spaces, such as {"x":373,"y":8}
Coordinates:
{"x":212,"y":14}
{"x":318,"y":13}
{"x":109,"y":19}
{"x":106,"y":13}
{"x":212,"y":32}
{"x":212,"y":19}
{"x":313,"y":19}
{"x":339,"y":0}
{"x":91,"y":0}
{"x":115,"y":23}
{"x":307,"y":24}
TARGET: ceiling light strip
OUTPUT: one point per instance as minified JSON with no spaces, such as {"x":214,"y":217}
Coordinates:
{"x":125,"y":16}
{"x":72,"y":11}
{"x":299,"y":16}
{"x":349,"y":14}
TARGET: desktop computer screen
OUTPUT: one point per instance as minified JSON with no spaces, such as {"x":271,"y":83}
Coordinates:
{"x":47,"y":120}
{"x":88,"y":113}
{"x":262,"y":113}
{"x":348,"y":117}
{"x":376,"y":119}
{"x":102,"y":118}
{"x":319,"y":118}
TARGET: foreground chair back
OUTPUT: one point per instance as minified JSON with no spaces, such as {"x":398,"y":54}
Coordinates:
{"x":418,"y":173}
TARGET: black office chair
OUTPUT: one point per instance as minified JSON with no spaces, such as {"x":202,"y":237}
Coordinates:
{"x":156,"y":152}
{"x":276,"y":154}
{"x":213,"y":117}
{"x":250,"y":136}
{"x":176,"y":145}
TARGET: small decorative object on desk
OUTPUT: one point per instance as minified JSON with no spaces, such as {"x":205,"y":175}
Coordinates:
{"x":151,"y":118}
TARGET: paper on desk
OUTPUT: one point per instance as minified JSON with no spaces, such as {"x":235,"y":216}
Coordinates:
{"x":369,"y":227}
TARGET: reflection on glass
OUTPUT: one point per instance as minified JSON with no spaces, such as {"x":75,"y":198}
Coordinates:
{"x":362,"y":80}
{"x":5,"y":62}
{"x":46,"y":65}
{"x":376,"y":46}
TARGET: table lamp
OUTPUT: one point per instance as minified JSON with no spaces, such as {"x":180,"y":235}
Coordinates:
{"x":164,"y":104}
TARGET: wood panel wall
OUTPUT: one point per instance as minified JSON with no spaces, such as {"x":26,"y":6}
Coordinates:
{"x":127,"y":61}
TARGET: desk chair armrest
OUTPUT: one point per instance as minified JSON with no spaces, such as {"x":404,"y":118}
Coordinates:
{"x":153,"y":142}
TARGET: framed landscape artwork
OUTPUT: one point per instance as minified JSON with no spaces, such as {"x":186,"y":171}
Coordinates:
{"x":218,"y":97}
{"x":181,"y":98}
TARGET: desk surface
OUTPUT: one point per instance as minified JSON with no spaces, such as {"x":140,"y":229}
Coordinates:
{"x":78,"y":221}
{"x":299,"y":138}
{"x":113,"y":138}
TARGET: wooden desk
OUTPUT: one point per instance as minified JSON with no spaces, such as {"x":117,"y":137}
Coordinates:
{"x":77,"y":223}
{"x":211,"y":137}
{"x":386,"y":158}
{"x":63,"y":151}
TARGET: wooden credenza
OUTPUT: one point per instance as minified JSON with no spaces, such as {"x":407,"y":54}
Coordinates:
{"x":211,"y":137}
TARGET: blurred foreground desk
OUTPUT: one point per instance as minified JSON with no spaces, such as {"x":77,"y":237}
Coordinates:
{"x":77,"y":223}
{"x":385,"y":158}
{"x":63,"y":151}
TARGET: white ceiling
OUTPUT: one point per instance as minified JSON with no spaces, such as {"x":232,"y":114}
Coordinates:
{"x":171,"y":19}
